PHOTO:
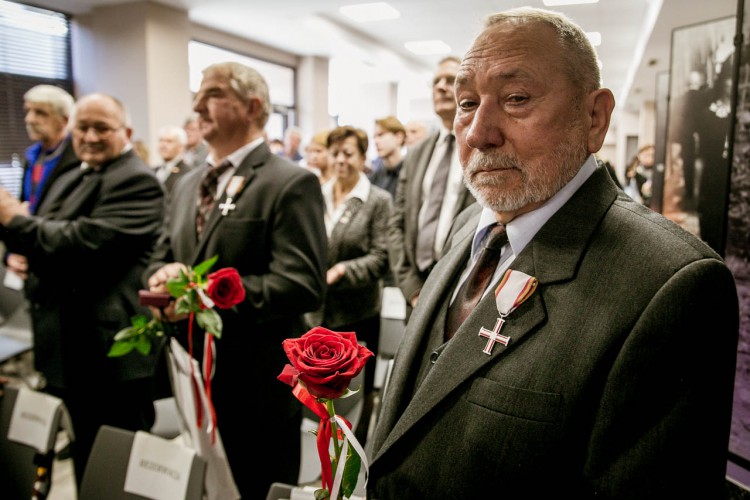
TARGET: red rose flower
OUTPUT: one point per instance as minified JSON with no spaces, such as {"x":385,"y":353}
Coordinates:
{"x":326,"y":361}
{"x":225,"y":288}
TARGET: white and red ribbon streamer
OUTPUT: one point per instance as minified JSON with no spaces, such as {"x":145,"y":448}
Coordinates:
{"x":514,"y":288}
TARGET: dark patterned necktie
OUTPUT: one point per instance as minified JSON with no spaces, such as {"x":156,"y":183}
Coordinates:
{"x":476,"y":283}
{"x":425,"y":252}
{"x":207,"y":194}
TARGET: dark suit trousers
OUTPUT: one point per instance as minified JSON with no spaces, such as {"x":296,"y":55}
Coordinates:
{"x":126,"y":405}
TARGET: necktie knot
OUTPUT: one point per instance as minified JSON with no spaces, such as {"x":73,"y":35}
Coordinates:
{"x":496,"y":237}
{"x":211,"y":178}
{"x":207,"y":193}
{"x":480,"y":276}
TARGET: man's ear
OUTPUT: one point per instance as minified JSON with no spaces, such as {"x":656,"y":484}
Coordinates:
{"x":129,"y":132}
{"x":599,"y":106}
{"x":254,"y":106}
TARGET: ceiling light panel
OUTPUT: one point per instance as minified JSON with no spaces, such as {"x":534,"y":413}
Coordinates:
{"x":555,"y":3}
{"x":428,"y":47}
{"x":368,"y":12}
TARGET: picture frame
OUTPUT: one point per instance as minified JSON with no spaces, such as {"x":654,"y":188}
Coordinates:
{"x":697,"y":162}
{"x":661,"y":105}
{"x":737,"y":247}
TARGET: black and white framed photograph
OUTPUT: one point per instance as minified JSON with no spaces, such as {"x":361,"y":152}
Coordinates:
{"x":697,"y":167}
{"x":737,"y":245}
{"x":661,"y":104}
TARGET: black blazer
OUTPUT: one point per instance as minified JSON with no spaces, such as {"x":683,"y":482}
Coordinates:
{"x":87,"y":246}
{"x":275,"y":238}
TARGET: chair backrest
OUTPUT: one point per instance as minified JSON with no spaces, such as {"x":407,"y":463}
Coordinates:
{"x":17,"y":460}
{"x":106,"y":469}
{"x":17,"y":469}
{"x":279,"y":491}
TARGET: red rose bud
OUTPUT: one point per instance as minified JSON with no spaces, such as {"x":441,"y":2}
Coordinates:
{"x":327,"y":361}
{"x":225,"y":288}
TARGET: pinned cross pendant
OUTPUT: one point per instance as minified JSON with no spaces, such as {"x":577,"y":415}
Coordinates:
{"x":227,"y":206}
{"x":493,"y":336}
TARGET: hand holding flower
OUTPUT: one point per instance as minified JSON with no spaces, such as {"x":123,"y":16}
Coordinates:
{"x":195,"y":296}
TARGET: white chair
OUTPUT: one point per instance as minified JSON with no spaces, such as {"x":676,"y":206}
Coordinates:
{"x":17,"y":459}
{"x":392,"y":327}
{"x":167,"y":423}
{"x":107,"y":467}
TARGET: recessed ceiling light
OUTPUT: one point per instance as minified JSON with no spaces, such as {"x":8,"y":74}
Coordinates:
{"x":428,"y":47}
{"x":366,"y":12}
{"x":595,"y":38}
{"x":553,"y":3}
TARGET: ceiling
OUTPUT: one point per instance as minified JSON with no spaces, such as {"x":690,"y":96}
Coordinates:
{"x":635,"y":34}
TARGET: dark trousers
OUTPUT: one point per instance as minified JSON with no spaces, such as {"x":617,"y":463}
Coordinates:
{"x":126,"y":405}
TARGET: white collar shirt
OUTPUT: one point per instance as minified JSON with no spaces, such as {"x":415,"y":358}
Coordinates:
{"x":453,"y":188}
{"x":523,"y":228}
{"x":235,"y":158}
{"x":333,"y":214}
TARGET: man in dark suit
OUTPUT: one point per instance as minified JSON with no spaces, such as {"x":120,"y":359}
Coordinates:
{"x":172,"y":141}
{"x":418,"y":228}
{"x":604,"y":365}
{"x":267,"y":222}
{"x":87,"y":246}
{"x":48,"y":109}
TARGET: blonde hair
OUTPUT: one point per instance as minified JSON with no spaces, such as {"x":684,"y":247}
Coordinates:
{"x":62,"y":103}
{"x":321,"y":138}
{"x":246,"y":83}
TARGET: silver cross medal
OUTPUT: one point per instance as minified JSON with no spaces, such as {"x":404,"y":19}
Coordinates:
{"x":235,"y":184}
{"x":227,"y":206}
{"x":514,"y":288}
{"x":493,"y":336}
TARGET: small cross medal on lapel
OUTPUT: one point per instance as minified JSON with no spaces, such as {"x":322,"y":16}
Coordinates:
{"x":513,"y":289}
{"x":234,"y":186}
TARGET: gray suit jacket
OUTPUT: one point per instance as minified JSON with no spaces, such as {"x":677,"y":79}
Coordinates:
{"x":359,"y":241}
{"x":404,"y":222}
{"x":617,"y":381}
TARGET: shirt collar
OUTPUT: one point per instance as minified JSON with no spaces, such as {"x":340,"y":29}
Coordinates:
{"x":238,"y":155}
{"x":360,"y":190}
{"x":523,"y":228}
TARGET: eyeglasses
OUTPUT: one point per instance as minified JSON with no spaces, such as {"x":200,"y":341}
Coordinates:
{"x":100,"y":130}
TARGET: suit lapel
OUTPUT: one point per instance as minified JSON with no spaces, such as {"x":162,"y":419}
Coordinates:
{"x":552,"y":256}
{"x":246,"y":170}
{"x":69,"y":193}
{"x":353,"y":205}
{"x":424,"y":161}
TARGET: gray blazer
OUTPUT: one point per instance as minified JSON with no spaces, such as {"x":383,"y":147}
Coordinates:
{"x":359,"y":242}
{"x":617,"y":380}
{"x":404,"y":222}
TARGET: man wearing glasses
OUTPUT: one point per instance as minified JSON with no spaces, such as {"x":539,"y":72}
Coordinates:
{"x":87,"y":246}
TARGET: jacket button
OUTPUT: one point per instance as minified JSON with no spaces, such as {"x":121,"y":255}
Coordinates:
{"x":434,"y":357}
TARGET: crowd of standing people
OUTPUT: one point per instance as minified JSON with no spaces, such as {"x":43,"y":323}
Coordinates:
{"x":591,"y":384}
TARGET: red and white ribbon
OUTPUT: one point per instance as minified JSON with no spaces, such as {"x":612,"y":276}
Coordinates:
{"x":514,"y":288}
